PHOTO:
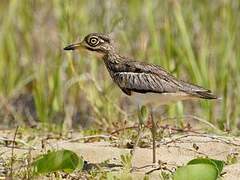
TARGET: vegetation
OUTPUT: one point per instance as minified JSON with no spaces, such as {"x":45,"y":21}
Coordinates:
{"x":198,"y":41}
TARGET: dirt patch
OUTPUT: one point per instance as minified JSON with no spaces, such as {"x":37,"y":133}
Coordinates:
{"x":171,"y":152}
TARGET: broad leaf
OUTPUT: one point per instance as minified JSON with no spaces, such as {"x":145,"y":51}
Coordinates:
{"x":64,"y":160}
{"x":217,"y":163}
{"x":196,"y":172}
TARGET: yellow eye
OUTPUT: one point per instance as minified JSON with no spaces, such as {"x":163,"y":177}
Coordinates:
{"x":93,"y":41}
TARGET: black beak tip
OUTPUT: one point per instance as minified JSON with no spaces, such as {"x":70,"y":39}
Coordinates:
{"x":68,"y":48}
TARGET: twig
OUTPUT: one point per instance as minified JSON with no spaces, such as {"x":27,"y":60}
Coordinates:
{"x":88,"y":137}
{"x":15,"y":147}
{"x":162,"y":127}
{"x":143,"y":167}
{"x":173,"y":140}
{"x":124,"y":128}
{"x":194,"y":118}
{"x":161,"y":166}
{"x":185,"y":129}
{"x":12,"y":153}
{"x":17,"y":141}
{"x":155,"y":169}
{"x":188,"y":149}
{"x":219,"y":138}
{"x":202,"y":121}
{"x":214,"y":137}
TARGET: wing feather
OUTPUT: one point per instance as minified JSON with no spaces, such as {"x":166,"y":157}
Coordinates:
{"x":143,"y":78}
{"x":143,"y":82}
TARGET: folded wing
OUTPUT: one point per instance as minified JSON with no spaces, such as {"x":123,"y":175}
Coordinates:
{"x":144,"y":78}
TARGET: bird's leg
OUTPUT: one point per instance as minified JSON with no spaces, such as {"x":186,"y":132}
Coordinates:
{"x":143,"y":114}
{"x":153,"y":131}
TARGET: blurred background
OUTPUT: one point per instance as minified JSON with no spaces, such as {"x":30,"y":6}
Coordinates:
{"x":198,"y":41}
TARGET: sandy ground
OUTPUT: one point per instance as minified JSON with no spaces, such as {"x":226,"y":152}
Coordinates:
{"x":174,"y":151}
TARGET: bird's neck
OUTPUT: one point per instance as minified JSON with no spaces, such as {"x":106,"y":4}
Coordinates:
{"x":111,"y":57}
{"x":112,"y":61}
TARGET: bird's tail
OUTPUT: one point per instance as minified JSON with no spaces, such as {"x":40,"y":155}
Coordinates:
{"x":198,"y":91}
{"x":206,"y":95}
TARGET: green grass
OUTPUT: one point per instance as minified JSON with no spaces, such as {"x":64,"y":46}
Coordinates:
{"x":196,"y":40}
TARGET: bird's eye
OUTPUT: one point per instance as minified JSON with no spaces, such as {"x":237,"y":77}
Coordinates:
{"x":93,"y":41}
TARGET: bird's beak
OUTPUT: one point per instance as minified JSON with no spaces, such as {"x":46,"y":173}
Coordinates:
{"x":74,"y":46}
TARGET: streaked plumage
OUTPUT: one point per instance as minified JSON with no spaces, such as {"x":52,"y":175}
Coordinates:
{"x":138,"y":78}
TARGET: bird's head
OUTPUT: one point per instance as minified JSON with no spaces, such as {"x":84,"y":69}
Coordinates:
{"x":96,"y":42}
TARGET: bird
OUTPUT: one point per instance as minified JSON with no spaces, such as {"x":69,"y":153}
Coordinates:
{"x":145,"y":83}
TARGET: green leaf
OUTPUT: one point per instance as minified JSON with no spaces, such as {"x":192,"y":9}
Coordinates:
{"x":196,"y":172}
{"x":217,"y":163}
{"x":64,"y":160}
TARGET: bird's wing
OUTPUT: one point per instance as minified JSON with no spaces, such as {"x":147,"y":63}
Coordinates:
{"x":144,"y":82}
{"x":143,"y":78}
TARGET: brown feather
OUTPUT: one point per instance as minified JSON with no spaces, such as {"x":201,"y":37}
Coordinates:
{"x":135,"y":76}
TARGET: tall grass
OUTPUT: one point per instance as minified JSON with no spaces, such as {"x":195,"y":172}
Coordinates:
{"x":196,"y":40}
